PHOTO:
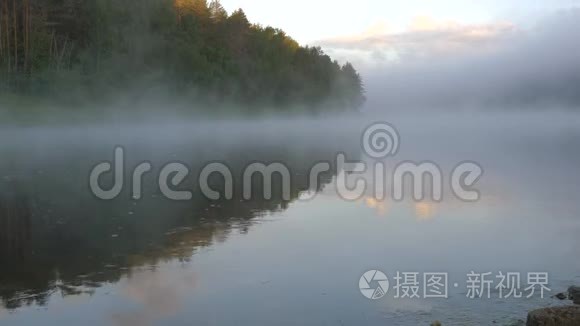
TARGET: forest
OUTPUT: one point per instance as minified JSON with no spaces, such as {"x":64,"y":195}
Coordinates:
{"x":94,"y":51}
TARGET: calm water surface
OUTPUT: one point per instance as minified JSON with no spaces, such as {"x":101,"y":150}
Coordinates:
{"x":69,"y":258}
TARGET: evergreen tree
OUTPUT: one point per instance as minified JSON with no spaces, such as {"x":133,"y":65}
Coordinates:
{"x":217,"y":13}
{"x":103,"y":47}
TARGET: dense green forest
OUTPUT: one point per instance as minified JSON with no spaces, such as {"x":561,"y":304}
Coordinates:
{"x":77,"y":51}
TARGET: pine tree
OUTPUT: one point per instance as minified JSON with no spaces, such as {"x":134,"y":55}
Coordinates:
{"x":239,"y":17}
{"x":98,"y":46}
{"x":217,"y":13}
{"x":353,"y":85}
{"x":200,"y":8}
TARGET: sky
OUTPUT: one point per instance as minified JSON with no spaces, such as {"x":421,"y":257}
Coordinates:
{"x":442,"y":52}
{"x":311,"y":20}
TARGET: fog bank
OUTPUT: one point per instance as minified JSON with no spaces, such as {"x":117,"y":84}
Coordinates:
{"x":516,"y":68}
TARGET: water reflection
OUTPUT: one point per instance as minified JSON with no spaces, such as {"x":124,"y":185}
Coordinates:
{"x":56,"y":238}
{"x":15,"y":214}
{"x":278,"y":262}
{"x":422,"y":210}
{"x":381,"y":207}
{"x":158,"y":295}
{"x":425,"y":210}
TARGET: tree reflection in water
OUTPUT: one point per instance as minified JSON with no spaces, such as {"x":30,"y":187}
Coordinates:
{"x":55,"y":237}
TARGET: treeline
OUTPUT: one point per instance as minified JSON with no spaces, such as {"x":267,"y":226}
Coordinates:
{"x":97,"y":49}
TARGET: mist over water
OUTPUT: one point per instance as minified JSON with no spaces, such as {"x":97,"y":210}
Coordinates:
{"x":156,"y":261}
{"x":499,"y":66}
{"x":188,"y":83}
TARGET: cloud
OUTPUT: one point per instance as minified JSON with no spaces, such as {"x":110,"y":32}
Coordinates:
{"x":424,"y":37}
{"x":437,"y":64}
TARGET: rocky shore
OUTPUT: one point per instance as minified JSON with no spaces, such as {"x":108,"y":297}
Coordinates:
{"x":558,"y":316}
{"x":553,"y":316}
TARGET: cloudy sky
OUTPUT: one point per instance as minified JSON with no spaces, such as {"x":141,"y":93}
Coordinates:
{"x":371,"y":32}
{"x":443,"y":50}
{"x":313,"y":20}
